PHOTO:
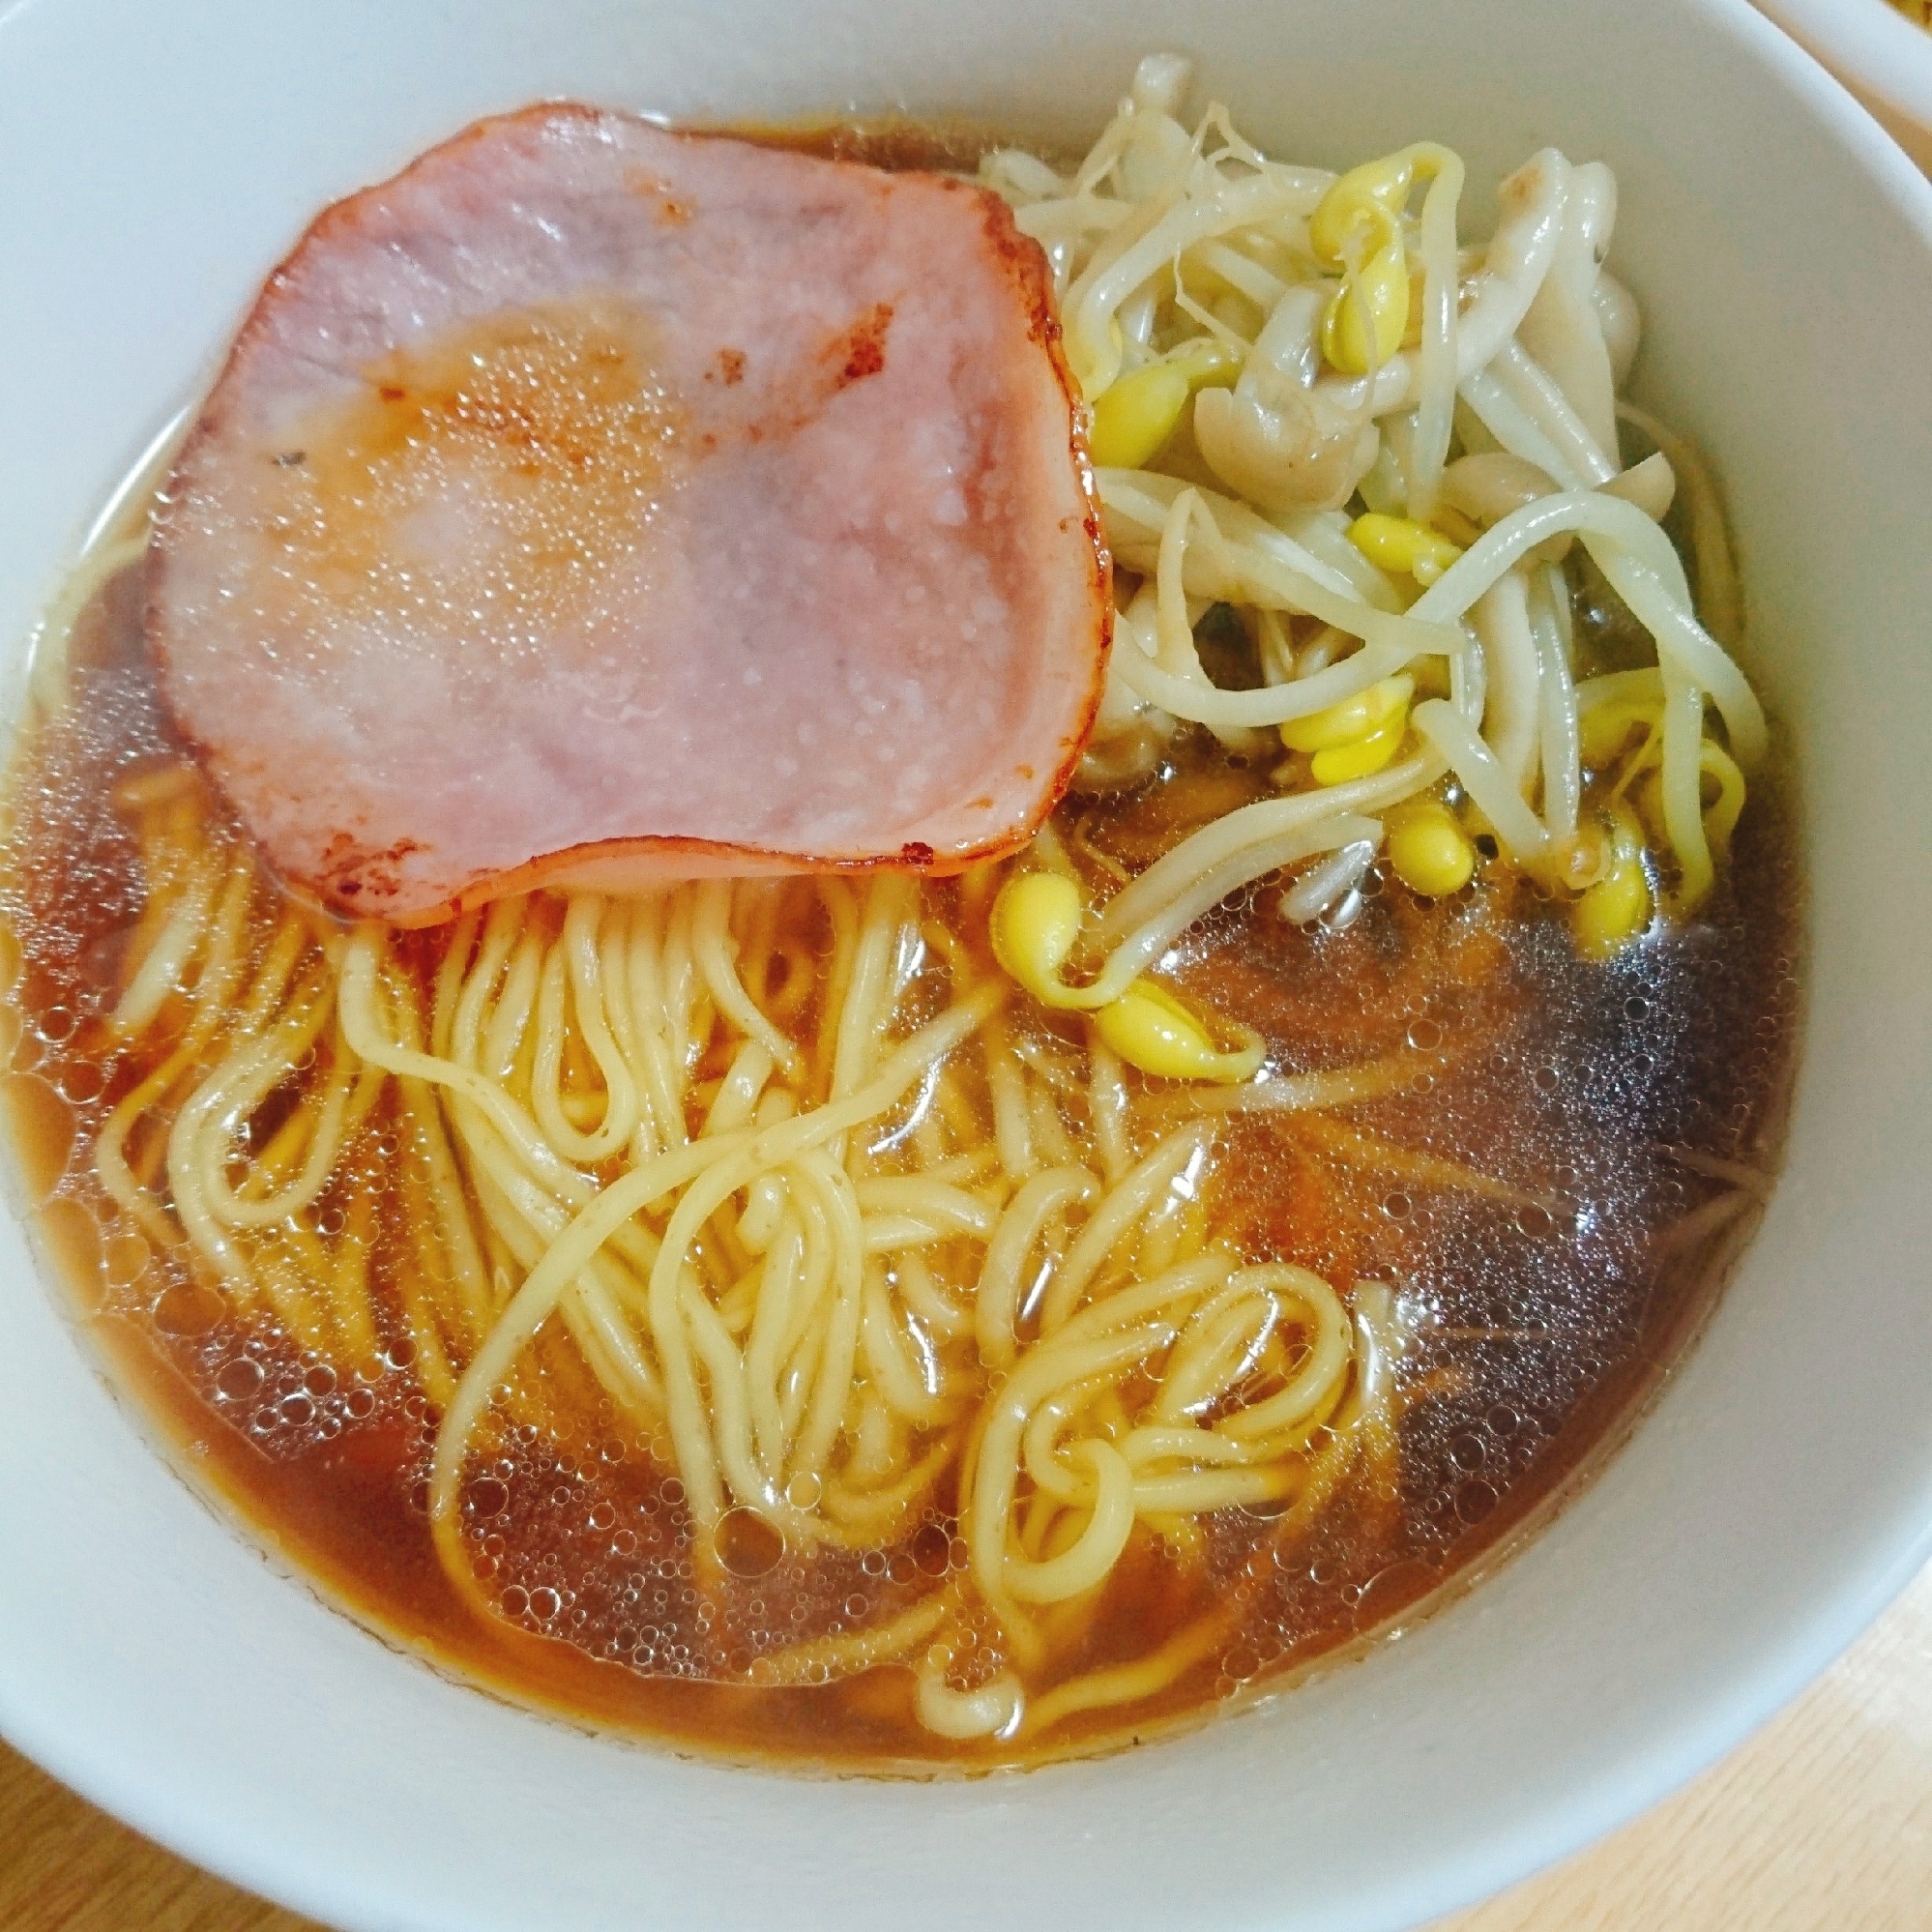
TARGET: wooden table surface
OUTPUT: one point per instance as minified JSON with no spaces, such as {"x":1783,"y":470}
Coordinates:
{"x":1821,"y":1822}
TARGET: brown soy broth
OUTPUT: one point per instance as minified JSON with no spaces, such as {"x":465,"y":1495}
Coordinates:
{"x":1535,"y":1331}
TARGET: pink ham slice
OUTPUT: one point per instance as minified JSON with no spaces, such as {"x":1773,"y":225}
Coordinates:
{"x":596,"y":505}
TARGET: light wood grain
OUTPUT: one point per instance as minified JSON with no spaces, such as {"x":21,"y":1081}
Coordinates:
{"x":1822,"y":1823}
{"x":67,"y":1867}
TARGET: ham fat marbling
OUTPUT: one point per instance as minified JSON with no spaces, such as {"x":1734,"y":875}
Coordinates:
{"x":593,"y":504}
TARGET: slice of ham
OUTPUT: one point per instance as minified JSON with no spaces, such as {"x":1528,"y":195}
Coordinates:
{"x":597,"y":505}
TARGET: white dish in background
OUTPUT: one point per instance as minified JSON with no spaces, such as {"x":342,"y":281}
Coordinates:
{"x":1884,"y":58}
{"x":155,"y":162}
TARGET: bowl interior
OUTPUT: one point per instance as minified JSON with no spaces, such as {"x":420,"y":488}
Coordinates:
{"x":154,"y":162}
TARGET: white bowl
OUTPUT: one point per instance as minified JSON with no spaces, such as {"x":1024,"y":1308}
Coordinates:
{"x":1884,"y":58}
{"x":155,"y":162}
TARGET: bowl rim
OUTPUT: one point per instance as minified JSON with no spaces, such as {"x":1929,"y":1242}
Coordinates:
{"x":1872,"y":44}
{"x":1541,"y":1833}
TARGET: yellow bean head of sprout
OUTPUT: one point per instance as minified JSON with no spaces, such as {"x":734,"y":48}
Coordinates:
{"x":1149,"y":1028}
{"x":1033,"y":927}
